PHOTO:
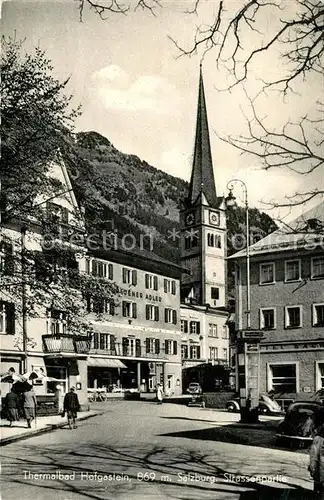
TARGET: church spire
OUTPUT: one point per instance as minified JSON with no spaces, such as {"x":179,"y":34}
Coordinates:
{"x":202,"y":182}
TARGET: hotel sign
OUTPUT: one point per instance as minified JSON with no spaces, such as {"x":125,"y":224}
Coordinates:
{"x":139,"y":295}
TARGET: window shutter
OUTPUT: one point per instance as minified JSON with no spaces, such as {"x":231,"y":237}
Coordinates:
{"x":113,"y":344}
{"x":175,"y":347}
{"x":134,"y":278}
{"x":166,"y":350}
{"x":87,"y":266}
{"x":157,"y":346}
{"x":96,"y":340}
{"x":9,"y":263}
{"x":174,"y":317}
{"x":10,"y":313}
{"x":94,"y":268}
{"x":125,"y":346}
{"x":155,"y":280}
{"x":112,"y":308}
{"x":64,"y":215}
{"x":190,"y":352}
{"x":138,"y":347}
{"x":173,"y":287}
{"x":110,"y":271}
{"x":147,"y":308}
{"x":124,"y":275}
{"x":198,"y":327}
{"x":124,"y":308}
{"x":147,"y":283}
{"x":88,"y":301}
{"x":147,"y":345}
{"x":165,"y":286}
{"x":185,"y":326}
{"x":134,"y":306}
{"x":156,"y":313}
{"x":165,"y":315}
{"x":198,"y":352}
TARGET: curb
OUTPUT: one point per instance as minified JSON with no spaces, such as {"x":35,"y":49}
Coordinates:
{"x":48,"y":428}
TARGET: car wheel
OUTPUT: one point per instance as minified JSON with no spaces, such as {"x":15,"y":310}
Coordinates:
{"x":231,"y":407}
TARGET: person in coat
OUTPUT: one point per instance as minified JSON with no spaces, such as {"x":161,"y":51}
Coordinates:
{"x":12,"y":405}
{"x":29,"y":404}
{"x":71,"y":406}
{"x":159,"y":394}
{"x":316,"y":462}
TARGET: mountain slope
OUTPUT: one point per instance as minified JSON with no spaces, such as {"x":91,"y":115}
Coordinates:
{"x":124,"y":194}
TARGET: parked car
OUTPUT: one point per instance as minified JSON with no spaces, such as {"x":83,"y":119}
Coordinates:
{"x":267,"y":405}
{"x":194,"y":388}
{"x":301,"y":420}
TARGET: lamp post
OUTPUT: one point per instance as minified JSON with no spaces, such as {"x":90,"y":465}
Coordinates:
{"x":247,"y":340}
{"x":230,"y":202}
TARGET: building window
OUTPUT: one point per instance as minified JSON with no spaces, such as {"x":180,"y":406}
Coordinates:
{"x":213,"y":353}
{"x":318,"y":314}
{"x":293,"y":316}
{"x":195,"y":327}
{"x":7,"y":263}
{"x":129,"y":309}
{"x":57,"y":321}
{"x":191,"y":241}
{"x":170,"y":286}
{"x":319,"y":375}
{"x":194,"y":352}
{"x":152,"y":346}
{"x":267,"y":273}
{"x":170,"y":347}
{"x":212,"y":330}
{"x":170,"y":316}
{"x":184,"y":325}
{"x":103,"y":341}
{"x":225,"y":353}
{"x":102,"y":269}
{"x":214,"y":240}
{"x":7,"y":318}
{"x":317,"y":267}
{"x":131,"y":346}
{"x":99,"y":305}
{"x":129,"y":276}
{"x":214,"y":293}
{"x":184,"y":351}
{"x":292,"y":270}
{"x":283,"y":378}
{"x":151,"y":282}
{"x":267,"y":319}
{"x":152,"y":312}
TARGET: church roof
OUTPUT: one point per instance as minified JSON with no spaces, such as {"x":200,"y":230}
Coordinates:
{"x":202,"y":182}
{"x":307,"y":229}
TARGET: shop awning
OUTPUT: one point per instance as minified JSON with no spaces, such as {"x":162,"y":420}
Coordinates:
{"x":106,"y":363}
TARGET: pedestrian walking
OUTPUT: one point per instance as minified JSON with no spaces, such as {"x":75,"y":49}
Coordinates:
{"x":12,"y":405}
{"x":29,"y":404}
{"x":159,"y":394}
{"x":71,"y":406}
{"x":316,"y":462}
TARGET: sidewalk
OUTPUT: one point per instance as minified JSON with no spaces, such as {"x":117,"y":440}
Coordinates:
{"x":20,"y":430}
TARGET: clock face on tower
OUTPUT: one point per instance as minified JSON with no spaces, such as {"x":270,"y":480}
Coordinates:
{"x":214,"y":218}
{"x":190,"y":219}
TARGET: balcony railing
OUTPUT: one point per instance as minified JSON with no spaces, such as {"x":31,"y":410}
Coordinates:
{"x":130,"y":352}
{"x":64,"y":343}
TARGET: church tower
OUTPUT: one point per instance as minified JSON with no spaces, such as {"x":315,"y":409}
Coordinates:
{"x":203,"y":223}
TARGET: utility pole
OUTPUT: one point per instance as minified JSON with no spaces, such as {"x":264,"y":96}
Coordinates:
{"x":24,"y":296}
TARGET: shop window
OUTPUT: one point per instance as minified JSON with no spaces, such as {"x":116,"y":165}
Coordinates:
{"x":283,"y":378}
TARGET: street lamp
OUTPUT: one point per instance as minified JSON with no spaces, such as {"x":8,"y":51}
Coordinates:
{"x":231,"y":202}
{"x":247,"y":341}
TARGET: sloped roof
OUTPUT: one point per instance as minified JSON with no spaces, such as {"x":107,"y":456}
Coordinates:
{"x":307,"y":229}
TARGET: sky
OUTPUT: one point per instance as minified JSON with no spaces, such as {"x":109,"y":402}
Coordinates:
{"x":136,"y":91}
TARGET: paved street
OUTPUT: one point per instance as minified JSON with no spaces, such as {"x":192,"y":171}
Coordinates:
{"x":142,"y":450}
